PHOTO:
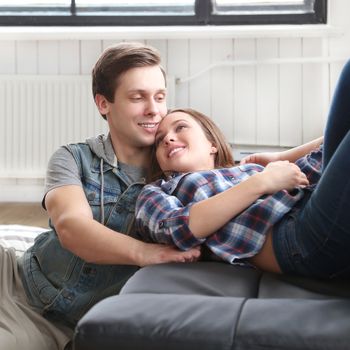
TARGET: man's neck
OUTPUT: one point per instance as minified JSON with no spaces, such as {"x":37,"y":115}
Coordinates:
{"x":128,"y":154}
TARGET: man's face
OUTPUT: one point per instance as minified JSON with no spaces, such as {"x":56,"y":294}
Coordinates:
{"x":139,"y":104}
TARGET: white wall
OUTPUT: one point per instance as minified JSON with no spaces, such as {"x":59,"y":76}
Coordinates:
{"x":339,"y":46}
{"x":259,"y":105}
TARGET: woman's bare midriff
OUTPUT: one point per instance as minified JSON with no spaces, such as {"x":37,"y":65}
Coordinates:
{"x":266,"y":260}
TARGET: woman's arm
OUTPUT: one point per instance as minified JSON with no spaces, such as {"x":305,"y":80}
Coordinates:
{"x":163,"y":218}
{"x":209,"y":215}
{"x":291,"y":155}
{"x":297,"y":152}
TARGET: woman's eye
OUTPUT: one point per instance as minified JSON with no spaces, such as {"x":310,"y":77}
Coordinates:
{"x":180,"y":127}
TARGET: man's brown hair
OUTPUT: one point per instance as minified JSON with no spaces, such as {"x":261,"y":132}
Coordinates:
{"x":116,"y":60}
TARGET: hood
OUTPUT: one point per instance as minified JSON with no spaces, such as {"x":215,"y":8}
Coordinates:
{"x":101,"y":145}
{"x":103,"y":149}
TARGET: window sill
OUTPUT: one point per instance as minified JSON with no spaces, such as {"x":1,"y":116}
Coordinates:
{"x":167,"y":32}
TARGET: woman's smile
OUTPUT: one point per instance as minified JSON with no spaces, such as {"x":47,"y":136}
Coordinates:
{"x":175,"y":151}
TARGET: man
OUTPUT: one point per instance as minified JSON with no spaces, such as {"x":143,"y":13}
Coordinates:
{"x":91,"y":190}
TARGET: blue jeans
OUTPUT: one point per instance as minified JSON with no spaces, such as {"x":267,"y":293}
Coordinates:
{"x":314,"y":238}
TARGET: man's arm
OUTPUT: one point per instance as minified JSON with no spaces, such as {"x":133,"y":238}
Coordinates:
{"x":79,"y":233}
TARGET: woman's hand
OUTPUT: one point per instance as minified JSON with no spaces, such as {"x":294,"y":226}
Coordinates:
{"x":282,"y":175}
{"x":263,"y":158}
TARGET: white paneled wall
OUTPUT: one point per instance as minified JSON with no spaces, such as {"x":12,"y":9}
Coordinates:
{"x":267,"y":89}
{"x":256,"y":105}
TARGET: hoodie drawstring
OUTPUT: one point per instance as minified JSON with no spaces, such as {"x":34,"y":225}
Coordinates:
{"x":102,"y":193}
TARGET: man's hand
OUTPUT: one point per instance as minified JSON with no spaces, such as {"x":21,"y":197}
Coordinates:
{"x":153,"y":253}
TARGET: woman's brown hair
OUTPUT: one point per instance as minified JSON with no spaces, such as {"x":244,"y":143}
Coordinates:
{"x":223,"y":157}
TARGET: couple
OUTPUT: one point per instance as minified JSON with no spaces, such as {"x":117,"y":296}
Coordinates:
{"x":282,"y":221}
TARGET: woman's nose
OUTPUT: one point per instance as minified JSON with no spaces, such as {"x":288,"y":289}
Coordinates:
{"x":168,"y":139}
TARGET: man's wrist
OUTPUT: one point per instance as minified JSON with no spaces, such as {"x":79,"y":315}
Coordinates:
{"x":137,"y":252}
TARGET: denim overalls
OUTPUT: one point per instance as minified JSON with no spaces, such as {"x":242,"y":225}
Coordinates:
{"x":58,"y":282}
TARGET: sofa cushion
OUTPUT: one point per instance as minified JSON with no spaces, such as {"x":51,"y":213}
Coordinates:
{"x":221,"y":279}
{"x":202,"y":278}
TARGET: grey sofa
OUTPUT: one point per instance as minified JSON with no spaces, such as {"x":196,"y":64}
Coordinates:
{"x":210,"y":305}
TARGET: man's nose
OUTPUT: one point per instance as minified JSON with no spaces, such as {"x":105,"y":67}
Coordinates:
{"x":152,"y":108}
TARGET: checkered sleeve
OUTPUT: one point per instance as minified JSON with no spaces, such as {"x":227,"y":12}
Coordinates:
{"x":164,"y":219}
{"x":311,"y":165}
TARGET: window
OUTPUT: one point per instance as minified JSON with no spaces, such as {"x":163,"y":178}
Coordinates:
{"x":161,"y":12}
{"x":268,"y":11}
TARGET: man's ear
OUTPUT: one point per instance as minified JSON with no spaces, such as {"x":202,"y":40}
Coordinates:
{"x":102,"y":104}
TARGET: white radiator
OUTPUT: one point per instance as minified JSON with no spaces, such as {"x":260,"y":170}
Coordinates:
{"x":38,"y":114}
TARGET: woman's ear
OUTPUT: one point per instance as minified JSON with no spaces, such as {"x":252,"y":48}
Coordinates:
{"x":214,"y":150}
{"x":102,"y":104}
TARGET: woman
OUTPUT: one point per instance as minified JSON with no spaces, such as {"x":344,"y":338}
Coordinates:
{"x":285,"y":217}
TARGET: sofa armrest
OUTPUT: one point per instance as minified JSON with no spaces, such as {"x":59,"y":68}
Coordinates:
{"x":159,"y":322}
{"x":216,"y":306}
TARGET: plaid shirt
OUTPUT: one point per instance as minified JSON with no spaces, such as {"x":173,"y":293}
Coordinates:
{"x":162,"y":209}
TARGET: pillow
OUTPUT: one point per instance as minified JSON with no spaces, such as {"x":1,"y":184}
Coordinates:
{"x":19,"y":237}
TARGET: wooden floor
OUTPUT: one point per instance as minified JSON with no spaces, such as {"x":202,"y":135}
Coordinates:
{"x":31,"y":214}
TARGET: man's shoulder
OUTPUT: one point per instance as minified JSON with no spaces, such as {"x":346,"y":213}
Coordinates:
{"x":92,"y":146}
{"x":77,"y":146}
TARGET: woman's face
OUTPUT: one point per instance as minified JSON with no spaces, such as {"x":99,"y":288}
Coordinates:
{"x":181,"y":144}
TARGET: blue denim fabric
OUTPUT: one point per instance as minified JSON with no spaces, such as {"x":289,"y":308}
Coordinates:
{"x":314,"y":240}
{"x":57,"y":282}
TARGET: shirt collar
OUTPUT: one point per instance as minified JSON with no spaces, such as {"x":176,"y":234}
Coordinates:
{"x":170,"y":184}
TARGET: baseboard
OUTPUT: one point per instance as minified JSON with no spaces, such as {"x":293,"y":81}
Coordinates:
{"x":21,"y":190}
